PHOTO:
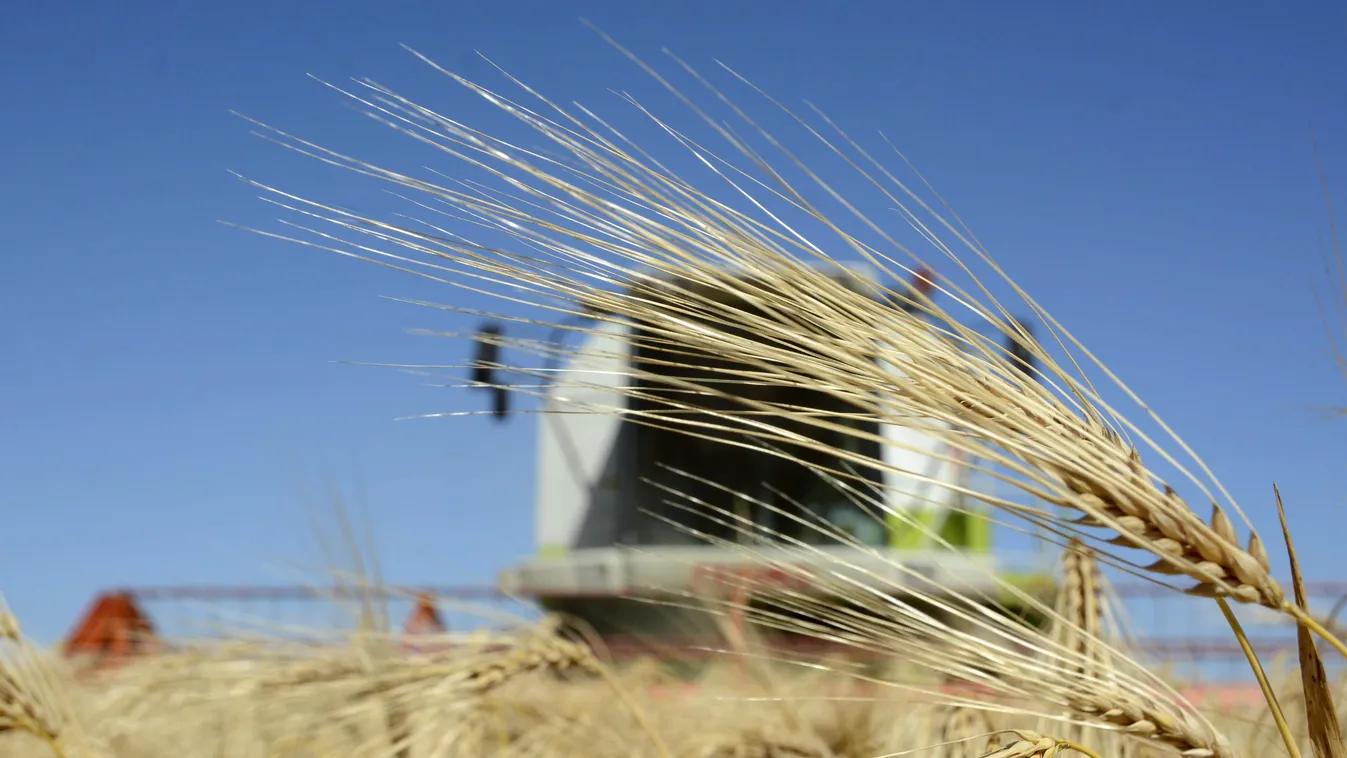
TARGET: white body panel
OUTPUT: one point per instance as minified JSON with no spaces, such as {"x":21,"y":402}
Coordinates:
{"x":575,"y":448}
{"x":916,"y":474}
{"x":918,"y":463}
{"x":579,"y":463}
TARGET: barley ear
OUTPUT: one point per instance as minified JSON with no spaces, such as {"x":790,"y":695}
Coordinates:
{"x":1259,"y":552}
{"x":1029,"y":744}
{"x":1222,"y":525}
{"x":1320,"y":712}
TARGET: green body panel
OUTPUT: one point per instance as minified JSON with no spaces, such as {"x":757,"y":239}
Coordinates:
{"x":964,"y":531}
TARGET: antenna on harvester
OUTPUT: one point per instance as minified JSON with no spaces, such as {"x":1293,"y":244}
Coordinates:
{"x":923,"y":283}
{"x":485,"y":361}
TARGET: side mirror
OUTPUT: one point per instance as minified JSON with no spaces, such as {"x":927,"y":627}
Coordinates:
{"x":1020,"y":355}
{"x":485,"y":361}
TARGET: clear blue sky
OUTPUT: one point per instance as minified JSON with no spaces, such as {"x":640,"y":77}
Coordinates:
{"x":169,"y":399}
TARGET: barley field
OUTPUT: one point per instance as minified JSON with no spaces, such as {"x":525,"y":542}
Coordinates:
{"x":537,"y":690}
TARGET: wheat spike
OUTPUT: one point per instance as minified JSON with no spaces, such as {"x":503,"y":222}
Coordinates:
{"x":1030,"y":744}
{"x":1079,"y":625}
{"x":758,"y":743}
{"x":1079,"y":601}
{"x":552,"y":654}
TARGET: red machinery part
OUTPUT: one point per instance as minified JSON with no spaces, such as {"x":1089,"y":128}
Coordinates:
{"x":425,"y":617}
{"x":923,"y":280}
{"x":114,"y":626}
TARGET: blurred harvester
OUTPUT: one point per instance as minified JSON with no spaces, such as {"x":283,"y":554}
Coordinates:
{"x":636,"y":521}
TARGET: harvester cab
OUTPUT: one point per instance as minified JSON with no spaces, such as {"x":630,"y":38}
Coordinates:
{"x":604,"y":482}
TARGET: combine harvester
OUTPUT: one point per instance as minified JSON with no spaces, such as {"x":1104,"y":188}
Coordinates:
{"x":610,"y":543}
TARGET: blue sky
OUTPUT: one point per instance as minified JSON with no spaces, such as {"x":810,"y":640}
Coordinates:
{"x":169,"y":397}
